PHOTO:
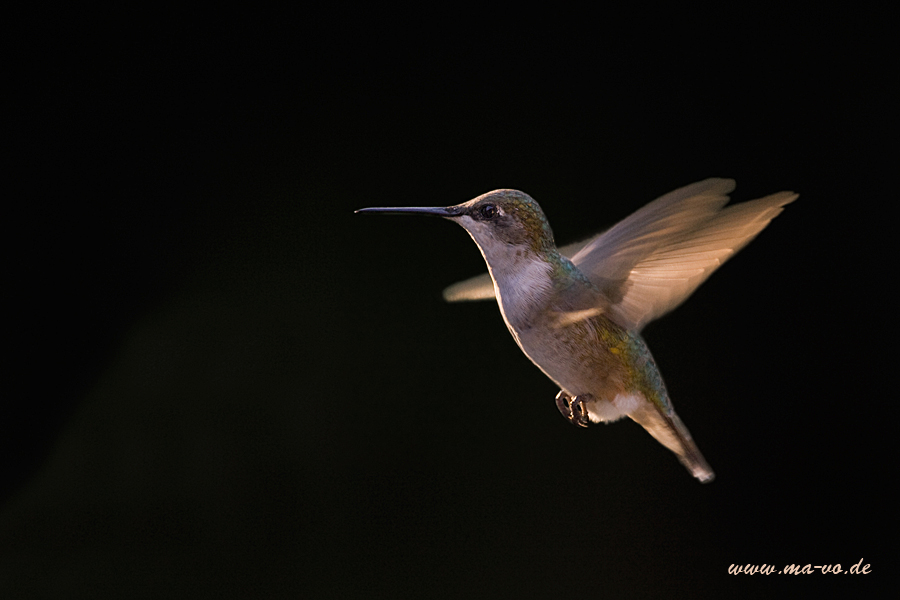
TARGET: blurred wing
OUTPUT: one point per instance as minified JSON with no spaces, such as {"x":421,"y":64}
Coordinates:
{"x":649,"y":263}
{"x":482,"y":287}
{"x":475,"y":288}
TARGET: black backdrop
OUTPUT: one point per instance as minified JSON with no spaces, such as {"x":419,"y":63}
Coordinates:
{"x":226,"y":384}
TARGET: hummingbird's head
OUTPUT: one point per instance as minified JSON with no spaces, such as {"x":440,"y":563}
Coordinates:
{"x":500,"y":221}
{"x":505,"y":218}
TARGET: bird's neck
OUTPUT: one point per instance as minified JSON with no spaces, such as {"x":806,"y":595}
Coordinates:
{"x":526,"y":282}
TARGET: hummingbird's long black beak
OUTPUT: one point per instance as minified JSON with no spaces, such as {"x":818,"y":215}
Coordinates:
{"x":437,"y":211}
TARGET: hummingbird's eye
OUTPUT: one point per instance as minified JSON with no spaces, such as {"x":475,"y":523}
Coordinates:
{"x":489,"y":211}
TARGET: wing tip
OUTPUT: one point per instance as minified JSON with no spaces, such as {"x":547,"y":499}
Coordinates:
{"x":480,"y":287}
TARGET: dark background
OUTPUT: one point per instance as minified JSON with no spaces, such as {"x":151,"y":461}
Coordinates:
{"x":226,"y":384}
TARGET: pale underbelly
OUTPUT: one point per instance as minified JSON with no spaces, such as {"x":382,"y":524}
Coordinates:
{"x":595,"y":371}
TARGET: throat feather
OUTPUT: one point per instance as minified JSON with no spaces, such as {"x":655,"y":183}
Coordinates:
{"x":523,"y":289}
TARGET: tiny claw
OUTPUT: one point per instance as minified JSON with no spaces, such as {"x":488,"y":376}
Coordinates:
{"x":562,"y":403}
{"x":579,"y":410}
{"x":573,"y":409}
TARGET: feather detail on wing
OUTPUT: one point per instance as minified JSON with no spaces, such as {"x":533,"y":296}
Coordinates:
{"x":653,"y":260}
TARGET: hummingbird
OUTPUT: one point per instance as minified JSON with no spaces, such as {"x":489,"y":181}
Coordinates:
{"x":577,"y":311}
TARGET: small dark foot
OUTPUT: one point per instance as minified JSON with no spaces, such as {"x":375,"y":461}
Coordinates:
{"x":573,"y":408}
